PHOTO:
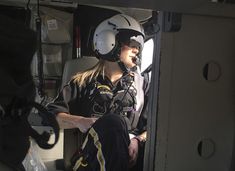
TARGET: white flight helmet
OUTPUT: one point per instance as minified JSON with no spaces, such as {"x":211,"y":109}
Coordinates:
{"x":110,"y":33}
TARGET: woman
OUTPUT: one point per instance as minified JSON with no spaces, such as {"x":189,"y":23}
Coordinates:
{"x":106,"y":101}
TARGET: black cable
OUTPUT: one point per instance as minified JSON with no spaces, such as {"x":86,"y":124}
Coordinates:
{"x":124,"y":95}
{"x":27,"y":6}
{"x":39,"y":54}
{"x":127,"y":90}
{"x":28,"y":15}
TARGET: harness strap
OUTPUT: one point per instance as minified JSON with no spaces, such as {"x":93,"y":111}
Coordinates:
{"x":18,"y":110}
{"x":50,"y":120}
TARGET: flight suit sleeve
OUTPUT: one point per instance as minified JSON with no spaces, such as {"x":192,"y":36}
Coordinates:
{"x":61,"y":103}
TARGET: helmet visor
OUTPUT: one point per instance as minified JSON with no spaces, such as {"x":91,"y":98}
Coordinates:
{"x":134,"y":44}
{"x":137,"y":41}
{"x":131,"y":37}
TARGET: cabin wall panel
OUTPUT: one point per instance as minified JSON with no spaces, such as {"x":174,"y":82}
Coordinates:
{"x":192,"y":108}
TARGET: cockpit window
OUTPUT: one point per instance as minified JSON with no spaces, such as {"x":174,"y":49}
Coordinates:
{"x":147,"y":55}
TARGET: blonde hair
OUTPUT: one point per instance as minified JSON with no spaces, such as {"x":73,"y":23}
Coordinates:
{"x":81,"y":78}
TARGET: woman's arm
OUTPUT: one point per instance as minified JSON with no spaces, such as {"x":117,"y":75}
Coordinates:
{"x":60,"y":108}
{"x":68,"y":121}
{"x":142,"y":137}
{"x":133,"y":148}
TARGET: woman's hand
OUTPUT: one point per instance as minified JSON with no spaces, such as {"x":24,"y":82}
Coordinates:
{"x":133,"y":152}
{"x":68,"y":121}
{"x":84,"y":123}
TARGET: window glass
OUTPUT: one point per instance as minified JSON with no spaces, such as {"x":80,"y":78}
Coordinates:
{"x":147,"y":54}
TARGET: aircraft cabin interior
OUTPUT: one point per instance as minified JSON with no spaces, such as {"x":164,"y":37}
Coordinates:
{"x":189,"y":59}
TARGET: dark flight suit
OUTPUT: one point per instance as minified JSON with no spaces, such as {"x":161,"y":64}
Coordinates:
{"x":120,"y":111}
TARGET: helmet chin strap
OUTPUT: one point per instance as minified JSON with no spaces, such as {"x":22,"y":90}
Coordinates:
{"x":123,"y":67}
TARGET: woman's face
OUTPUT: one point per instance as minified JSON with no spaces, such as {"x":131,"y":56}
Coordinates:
{"x":129,"y":55}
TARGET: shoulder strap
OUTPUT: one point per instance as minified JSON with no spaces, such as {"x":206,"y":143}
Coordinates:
{"x":145,"y":74}
{"x":146,"y":82}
